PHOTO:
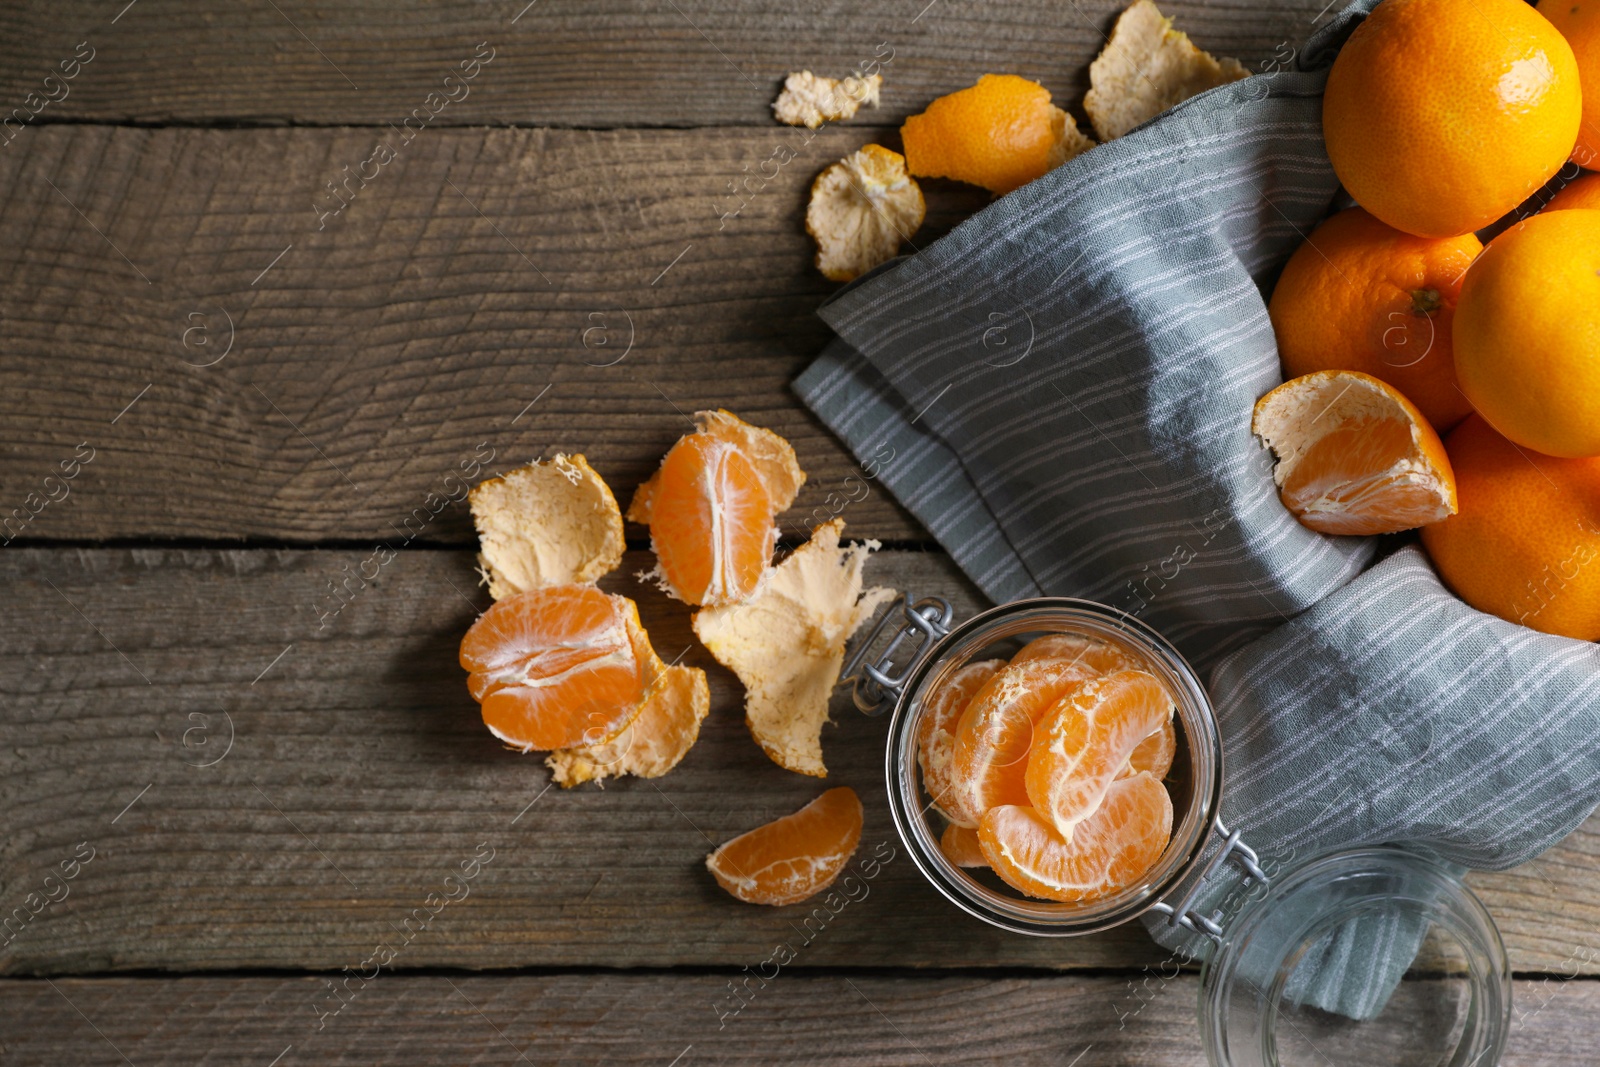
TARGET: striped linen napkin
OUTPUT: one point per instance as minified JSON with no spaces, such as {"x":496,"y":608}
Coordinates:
{"x":1060,"y":390}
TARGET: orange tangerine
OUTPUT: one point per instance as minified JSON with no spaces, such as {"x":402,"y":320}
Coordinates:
{"x":1360,"y":295}
{"x":1528,"y":333}
{"x":1354,"y":456}
{"x":1441,"y":116}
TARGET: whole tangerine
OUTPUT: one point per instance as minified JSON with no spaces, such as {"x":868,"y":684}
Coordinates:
{"x":1527,"y":333}
{"x":1360,"y":295}
{"x":1579,"y":22}
{"x":1443,"y":115}
{"x":1525,"y":544}
{"x":1582,"y":192}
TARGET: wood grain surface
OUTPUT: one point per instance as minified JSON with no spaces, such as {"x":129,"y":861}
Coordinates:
{"x":677,"y":1020}
{"x":359,"y":776}
{"x":596,"y":63}
{"x":516,"y":291}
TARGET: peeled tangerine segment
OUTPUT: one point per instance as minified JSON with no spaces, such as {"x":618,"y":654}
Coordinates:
{"x":936,"y":733}
{"x":786,"y":643}
{"x":961,"y":846}
{"x":711,"y":507}
{"x":1354,"y":456}
{"x":994,"y":734}
{"x":1155,"y":753}
{"x":1108,"y":851}
{"x":1091,"y":653}
{"x":555,"y":667}
{"x":552,"y":522}
{"x":1084,"y":742}
{"x":791,"y":858}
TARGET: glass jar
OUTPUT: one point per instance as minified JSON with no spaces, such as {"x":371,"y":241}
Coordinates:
{"x":1248,"y":1015}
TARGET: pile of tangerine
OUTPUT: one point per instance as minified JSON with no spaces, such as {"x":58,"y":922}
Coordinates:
{"x":1050,"y":767}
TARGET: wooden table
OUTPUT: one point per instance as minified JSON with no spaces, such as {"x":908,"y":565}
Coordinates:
{"x":220,"y":395}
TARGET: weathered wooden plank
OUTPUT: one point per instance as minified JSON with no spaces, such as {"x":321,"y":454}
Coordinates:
{"x":398,"y":1019}
{"x":594,"y":63}
{"x":359,"y":777}
{"x":504,"y":292}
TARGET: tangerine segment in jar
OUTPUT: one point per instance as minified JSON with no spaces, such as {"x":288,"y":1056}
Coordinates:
{"x":936,"y":732}
{"x":794,"y":857}
{"x":1109,"y":851}
{"x":1155,"y":753}
{"x":555,"y":667}
{"x":996,"y":731}
{"x":1091,"y":653}
{"x":711,"y":505}
{"x":961,"y":846}
{"x":1084,"y":742}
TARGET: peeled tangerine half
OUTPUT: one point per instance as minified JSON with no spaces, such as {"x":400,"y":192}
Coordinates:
{"x":1354,"y":456}
{"x":711,"y":505}
{"x":992,"y":739}
{"x":786,"y":643}
{"x":556,"y":667}
{"x":791,"y":858}
{"x":1086,"y":741}
{"x":1108,"y":851}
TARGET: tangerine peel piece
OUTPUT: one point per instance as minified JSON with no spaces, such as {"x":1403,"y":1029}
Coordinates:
{"x":1146,"y":67}
{"x":861,"y":209}
{"x":786,"y":644}
{"x":810,"y":100}
{"x":552,"y":522}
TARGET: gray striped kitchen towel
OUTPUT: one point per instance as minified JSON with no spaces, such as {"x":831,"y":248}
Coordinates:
{"x":1060,"y":390}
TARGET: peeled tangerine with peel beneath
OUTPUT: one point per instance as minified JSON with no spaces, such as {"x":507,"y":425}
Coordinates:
{"x":1354,"y":456}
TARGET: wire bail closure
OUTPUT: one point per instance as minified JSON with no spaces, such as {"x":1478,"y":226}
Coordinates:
{"x":1183,"y":914}
{"x":875,"y":689}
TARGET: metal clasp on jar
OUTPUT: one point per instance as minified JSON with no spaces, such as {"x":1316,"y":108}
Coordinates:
{"x":874,"y":687}
{"x":1183,"y":914}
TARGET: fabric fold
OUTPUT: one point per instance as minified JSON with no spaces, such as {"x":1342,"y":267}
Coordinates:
{"x":1060,"y":390}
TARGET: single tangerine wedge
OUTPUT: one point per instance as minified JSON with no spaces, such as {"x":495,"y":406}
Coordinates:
{"x":961,"y":846}
{"x":791,"y":858}
{"x":1094,"y":655}
{"x":1108,"y":851}
{"x":936,"y":733}
{"x":1155,"y":753}
{"x":556,"y":667}
{"x":996,"y":731}
{"x":1086,"y":740}
{"x":711,"y":507}
{"x":1354,"y":455}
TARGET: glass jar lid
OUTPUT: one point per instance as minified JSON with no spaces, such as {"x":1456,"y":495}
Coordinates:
{"x":1259,"y":995}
